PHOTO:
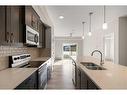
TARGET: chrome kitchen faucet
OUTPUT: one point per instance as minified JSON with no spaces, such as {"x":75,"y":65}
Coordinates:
{"x":101,"y":61}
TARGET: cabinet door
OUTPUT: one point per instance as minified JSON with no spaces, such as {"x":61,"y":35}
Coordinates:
{"x":15,"y":24}
{"x":83,"y":80}
{"x":32,"y":81}
{"x":35,"y":20}
{"x":91,"y":84}
{"x":8,"y":23}
{"x":2,"y":24}
{"x":40,"y":33}
{"x":29,"y":83}
{"x":78,"y":79}
{"x":31,"y":18}
{"x":28,"y":16}
{"x":48,"y":37}
{"x":43,"y":36}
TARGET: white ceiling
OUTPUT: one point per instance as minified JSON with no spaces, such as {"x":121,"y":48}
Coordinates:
{"x":74,"y":15}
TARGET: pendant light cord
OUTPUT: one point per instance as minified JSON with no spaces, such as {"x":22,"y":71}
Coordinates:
{"x":104,"y":14}
{"x":90,"y":21}
{"x":83,"y":27}
{"x":90,"y":24}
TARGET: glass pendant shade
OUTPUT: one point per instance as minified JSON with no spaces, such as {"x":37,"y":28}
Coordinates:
{"x":89,"y":34}
{"x":105,"y":26}
{"x":83,"y":37}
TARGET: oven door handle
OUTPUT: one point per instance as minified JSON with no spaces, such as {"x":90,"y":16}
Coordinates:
{"x":42,"y":71}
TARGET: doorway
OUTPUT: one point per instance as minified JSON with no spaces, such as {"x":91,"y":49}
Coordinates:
{"x":109,"y":47}
{"x":70,"y":50}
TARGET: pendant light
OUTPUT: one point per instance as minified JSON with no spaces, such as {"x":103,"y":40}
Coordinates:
{"x":83,"y":30}
{"x":105,"y":26}
{"x":89,"y":33}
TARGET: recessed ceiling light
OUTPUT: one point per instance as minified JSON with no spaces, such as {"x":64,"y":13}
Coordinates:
{"x":61,"y":17}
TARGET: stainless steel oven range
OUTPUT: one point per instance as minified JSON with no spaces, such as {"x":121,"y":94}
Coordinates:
{"x":23,"y":61}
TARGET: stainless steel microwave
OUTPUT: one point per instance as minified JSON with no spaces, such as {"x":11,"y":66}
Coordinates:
{"x":32,"y":36}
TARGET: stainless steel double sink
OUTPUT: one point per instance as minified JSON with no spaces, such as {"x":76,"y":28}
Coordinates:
{"x":92,"y":66}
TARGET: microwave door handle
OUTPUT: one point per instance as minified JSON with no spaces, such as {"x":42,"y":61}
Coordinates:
{"x":36,"y":38}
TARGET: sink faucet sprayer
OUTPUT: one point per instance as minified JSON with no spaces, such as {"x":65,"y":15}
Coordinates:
{"x":101,"y":61}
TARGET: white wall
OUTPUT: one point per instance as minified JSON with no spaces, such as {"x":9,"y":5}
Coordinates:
{"x":93,"y":42}
{"x":123,"y":41}
{"x":59,"y":41}
{"x":96,"y":41}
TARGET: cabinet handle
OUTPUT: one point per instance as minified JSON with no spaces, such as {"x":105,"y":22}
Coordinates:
{"x":12,"y":38}
{"x":79,"y":74}
{"x":7,"y":37}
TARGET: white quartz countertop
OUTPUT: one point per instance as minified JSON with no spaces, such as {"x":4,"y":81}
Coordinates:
{"x":10,"y":78}
{"x":115,"y":77}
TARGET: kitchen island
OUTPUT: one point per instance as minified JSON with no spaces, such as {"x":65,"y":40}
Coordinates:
{"x":114,"y":77}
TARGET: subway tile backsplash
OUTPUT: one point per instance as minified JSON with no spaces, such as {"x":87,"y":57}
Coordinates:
{"x":6,"y":51}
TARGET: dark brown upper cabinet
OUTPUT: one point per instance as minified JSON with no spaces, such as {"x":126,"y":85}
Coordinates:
{"x":47,"y":37}
{"x":11,"y":25}
{"x":31,"y":18}
{"x":41,"y":35}
{"x":2,"y":24}
{"x":14,"y":25}
{"x":13,"y":20}
{"x":44,"y":35}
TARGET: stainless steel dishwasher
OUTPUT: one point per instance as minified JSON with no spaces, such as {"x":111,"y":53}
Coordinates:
{"x":42,"y":77}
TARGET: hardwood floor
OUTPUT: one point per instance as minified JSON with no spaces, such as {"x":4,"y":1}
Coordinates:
{"x":61,"y":75}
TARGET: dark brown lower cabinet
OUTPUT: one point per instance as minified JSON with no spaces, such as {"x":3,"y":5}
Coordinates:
{"x":29,"y":83}
{"x":83,"y":81}
{"x":78,"y":78}
{"x":91,"y":85}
